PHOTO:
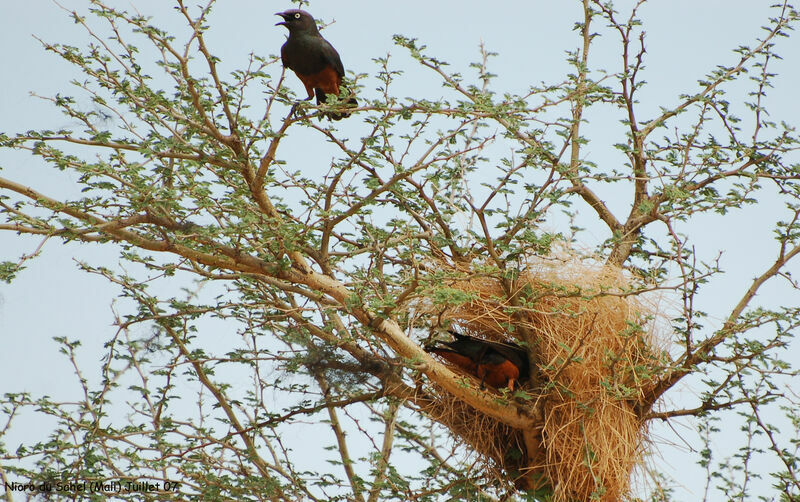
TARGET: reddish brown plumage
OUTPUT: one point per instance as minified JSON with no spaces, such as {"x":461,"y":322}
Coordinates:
{"x":326,"y":80}
{"x":499,"y":375}
{"x":463,"y":362}
{"x":495,"y":363}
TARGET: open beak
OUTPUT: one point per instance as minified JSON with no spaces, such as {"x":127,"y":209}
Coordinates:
{"x":282,"y":23}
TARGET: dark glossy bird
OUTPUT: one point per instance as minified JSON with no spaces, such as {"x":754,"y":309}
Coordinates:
{"x":313,"y":59}
{"x":499,"y":364}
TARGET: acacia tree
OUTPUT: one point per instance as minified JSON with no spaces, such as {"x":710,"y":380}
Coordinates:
{"x":191,"y":175}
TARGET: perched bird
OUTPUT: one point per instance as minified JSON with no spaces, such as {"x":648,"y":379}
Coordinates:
{"x":313,"y":59}
{"x":498,"y":364}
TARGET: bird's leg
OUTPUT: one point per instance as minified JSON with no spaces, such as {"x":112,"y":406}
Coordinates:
{"x":299,"y":104}
{"x":511,"y":384}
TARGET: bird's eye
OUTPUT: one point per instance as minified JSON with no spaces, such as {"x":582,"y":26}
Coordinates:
{"x":297,"y":15}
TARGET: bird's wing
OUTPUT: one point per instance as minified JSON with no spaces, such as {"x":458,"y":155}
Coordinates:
{"x":511,"y":351}
{"x":514,"y":353}
{"x":331,"y":57}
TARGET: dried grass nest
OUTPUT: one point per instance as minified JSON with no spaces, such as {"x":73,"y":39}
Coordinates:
{"x":596,"y":346}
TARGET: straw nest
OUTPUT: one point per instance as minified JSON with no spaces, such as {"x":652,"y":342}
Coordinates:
{"x":592,"y":340}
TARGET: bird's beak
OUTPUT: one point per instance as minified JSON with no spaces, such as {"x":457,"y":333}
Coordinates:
{"x":282,"y":23}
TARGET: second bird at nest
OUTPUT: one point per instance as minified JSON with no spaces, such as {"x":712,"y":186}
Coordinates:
{"x":499,"y":364}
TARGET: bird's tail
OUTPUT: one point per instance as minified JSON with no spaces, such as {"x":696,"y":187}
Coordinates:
{"x":434,"y":348}
{"x":450,"y":355}
{"x":350,"y":102}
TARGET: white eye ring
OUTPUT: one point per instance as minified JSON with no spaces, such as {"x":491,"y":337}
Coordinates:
{"x":297,"y":15}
